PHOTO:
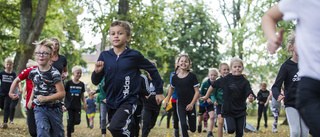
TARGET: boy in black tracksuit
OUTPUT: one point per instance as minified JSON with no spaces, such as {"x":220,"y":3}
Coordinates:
{"x":150,"y":106}
{"x":262,"y":97}
{"x":134,"y":126}
{"x":121,"y":68}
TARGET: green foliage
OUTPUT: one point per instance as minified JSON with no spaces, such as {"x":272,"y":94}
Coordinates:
{"x":194,"y":32}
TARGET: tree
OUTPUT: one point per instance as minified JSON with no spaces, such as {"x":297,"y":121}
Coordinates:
{"x":194,"y":32}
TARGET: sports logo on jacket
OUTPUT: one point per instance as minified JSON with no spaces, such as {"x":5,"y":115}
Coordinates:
{"x":296,"y":77}
{"x":126,"y":86}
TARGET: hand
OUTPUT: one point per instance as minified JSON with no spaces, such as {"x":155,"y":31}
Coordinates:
{"x":14,"y":96}
{"x":275,"y":41}
{"x":209,"y":101}
{"x":64,"y":75}
{"x":203,"y":98}
{"x":105,"y":100}
{"x":216,"y":103}
{"x":165,"y":104}
{"x":64,"y":109}
{"x":280,"y":97}
{"x":42,"y":98}
{"x":250,"y":98}
{"x":189,"y":107}
{"x":147,"y":97}
{"x":159,"y":98}
{"x":266,"y":104}
{"x":98,"y":66}
{"x":85,"y":108}
{"x":29,"y":105}
{"x":24,"y":96}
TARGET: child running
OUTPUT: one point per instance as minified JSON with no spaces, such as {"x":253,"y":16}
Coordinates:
{"x":187,"y":86}
{"x":217,"y":98}
{"x":307,"y":41}
{"x":74,"y":94}
{"x":289,"y":76}
{"x":262,"y":98}
{"x":207,"y":105}
{"x":120,"y":66}
{"x":91,"y":109}
{"x":236,"y":89}
{"x":6,"y":77}
{"x":47,"y":93}
{"x":29,"y":86}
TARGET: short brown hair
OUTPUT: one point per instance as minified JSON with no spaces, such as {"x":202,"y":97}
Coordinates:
{"x":126,"y":25}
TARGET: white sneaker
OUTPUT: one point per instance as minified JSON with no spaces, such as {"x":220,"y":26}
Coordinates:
{"x":274,"y":130}
{"x":204,"y":129}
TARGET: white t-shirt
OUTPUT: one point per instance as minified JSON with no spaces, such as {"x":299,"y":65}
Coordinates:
{"x":307,"y":13}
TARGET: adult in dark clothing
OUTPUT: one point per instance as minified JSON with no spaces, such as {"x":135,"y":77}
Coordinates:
{"x":262,"y":98}
{"x":59,"y":61}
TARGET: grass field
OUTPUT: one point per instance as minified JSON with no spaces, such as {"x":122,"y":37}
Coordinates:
{"x":20,"y":129}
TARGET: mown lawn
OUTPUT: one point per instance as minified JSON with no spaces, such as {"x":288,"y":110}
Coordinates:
{"x":20,"y":129}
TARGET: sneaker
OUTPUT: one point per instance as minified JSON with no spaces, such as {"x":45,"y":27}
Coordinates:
{"x":274,"y":130}
{"x":176,"y":133}
{"x":204,"y":129}
{"x":5,"y":125}
{"x":91,"y":127}
{"x":11,"y":122}
{"x":210,"y":135}
{"x":159,"y":123}
{"x":266,"y":125}
{"x":199,"y":128}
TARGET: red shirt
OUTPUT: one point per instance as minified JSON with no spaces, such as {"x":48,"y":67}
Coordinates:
{"x":24,"y":75}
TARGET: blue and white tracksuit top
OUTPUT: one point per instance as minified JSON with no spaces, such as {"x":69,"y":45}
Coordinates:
{"x":122,"y":76}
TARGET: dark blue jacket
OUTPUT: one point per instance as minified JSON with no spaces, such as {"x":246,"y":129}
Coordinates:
{"x":122,"y":76}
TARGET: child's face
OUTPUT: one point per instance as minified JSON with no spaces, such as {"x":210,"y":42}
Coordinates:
{"x":77,"y":74}
{"x":184,"y":63}
{"x":8,"y":66}
{"x":263,"y":86}
{"x":237,"y":68}
{"x":224,"y":70}
{"x":213,"y":75}
{"x":42,"y":55}
{"x":118,"y":36}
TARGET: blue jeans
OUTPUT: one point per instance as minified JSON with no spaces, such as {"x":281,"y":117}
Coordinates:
{"x":49,"y":121}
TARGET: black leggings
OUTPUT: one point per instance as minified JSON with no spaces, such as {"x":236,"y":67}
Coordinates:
{"x":262,"y":108}
{"x":175,"y":117}
{"x":134,"y":127}
{"x":13,"y":108}
{"x":31,"y":123}
{"x":192,"y":119}
{"x":149,"y":120}
{"x":74,"y":118}
{"x":235,"y":125}
{"x":168,"y":114}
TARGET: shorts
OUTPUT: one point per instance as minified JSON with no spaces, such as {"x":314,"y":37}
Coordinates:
{"x":89,"y":115}
{"x":218,"y":109}
{"x":202,"y":109}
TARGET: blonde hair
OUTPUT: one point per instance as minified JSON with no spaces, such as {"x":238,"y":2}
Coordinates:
{"x":183,"y":55}
{"x":221,"y":64}
{"x":290,"y":41}
{"x":75,"y":68}
{"x":8,"y":60}
{"x":236,"y":59}
{"x":47,"y":43}
{"x":154,"y":62}
{"x":126,"y":25}
{"x":31,"y":63}
{"x":214,"y":70}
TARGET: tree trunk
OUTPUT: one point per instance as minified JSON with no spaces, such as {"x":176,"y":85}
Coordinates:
{"x":123,"y":8}
{"x":30,"y":31}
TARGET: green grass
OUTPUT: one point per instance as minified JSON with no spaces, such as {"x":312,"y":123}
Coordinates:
{"x":20,"y":129}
